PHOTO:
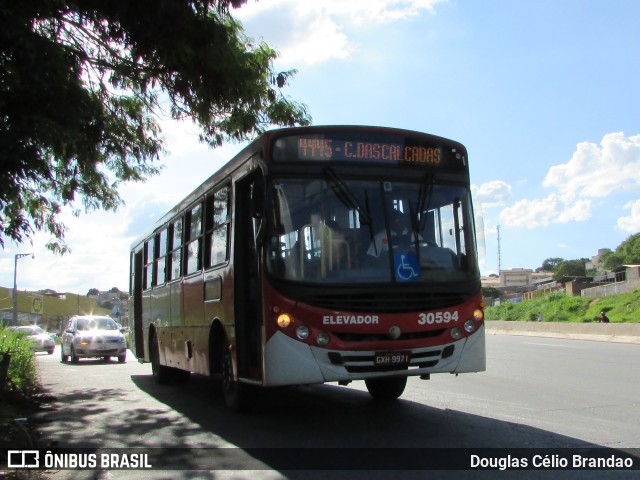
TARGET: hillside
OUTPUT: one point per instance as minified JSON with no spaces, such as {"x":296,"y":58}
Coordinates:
{"x":557,"y":307}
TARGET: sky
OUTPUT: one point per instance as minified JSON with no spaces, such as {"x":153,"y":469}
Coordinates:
{"x":545,"y":95}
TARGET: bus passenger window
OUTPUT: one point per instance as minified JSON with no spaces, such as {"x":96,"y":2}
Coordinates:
{"x":174,"y":270}
{"x":193,"y":261}
{"x":161,"y":252}
{"x":148,"y":259}
{"x":217,"y":227}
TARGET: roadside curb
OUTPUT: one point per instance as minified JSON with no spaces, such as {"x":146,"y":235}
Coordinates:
{"x":603,"y":332}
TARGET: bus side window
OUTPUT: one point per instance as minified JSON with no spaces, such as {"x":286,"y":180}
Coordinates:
{"x":175,"y":255}
{"x":148,"y":261}
{"x":216,"y":249}
{"x":193,"y":247}
{"x":160,"y":261}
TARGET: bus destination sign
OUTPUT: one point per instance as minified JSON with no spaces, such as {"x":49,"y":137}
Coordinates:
{"x":329,"y":149}
{"x":360,"y":148}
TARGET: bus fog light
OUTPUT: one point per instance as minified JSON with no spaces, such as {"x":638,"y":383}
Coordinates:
{"x":478,"y":314}
{"x":302,"y":332}
{"x":456,"y":333}
{"x":469,"y":326}
{"x":322,"y":339}
{"x":283,"y":320}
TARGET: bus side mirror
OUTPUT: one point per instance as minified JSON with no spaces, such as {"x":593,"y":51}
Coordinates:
{"x":257,"y":199}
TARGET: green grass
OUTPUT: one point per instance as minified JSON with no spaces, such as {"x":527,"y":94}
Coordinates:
{"x":557,"y":307}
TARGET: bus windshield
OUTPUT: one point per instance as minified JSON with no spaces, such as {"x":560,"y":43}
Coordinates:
{"x":334,"y":230}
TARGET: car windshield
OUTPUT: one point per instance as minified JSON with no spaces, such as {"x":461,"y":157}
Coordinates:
{"x":97,"y":324}
{"x":335,"y":230}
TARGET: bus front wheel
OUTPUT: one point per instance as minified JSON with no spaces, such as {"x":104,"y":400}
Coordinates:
{"x":161,"y":373}
{"x":234,"y":395}
{"x":386,"y":389}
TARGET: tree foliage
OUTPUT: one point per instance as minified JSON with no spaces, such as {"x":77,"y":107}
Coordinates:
{"x":491,"y":292}
{"x":570,"y":268}
{"x":550,"y":264}
{"x":82,"y":86}
{"x":627,"y":253}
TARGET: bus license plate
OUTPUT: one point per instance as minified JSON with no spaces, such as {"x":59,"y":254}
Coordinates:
{"x":392,"y":358}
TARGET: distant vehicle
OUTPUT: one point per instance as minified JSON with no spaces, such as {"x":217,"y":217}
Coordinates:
{"x":92,"y":337}
{"x":40,"y":340}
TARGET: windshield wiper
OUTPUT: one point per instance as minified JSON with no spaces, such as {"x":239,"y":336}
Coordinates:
{"x":345,"y":195}
{"x":424,"y":201}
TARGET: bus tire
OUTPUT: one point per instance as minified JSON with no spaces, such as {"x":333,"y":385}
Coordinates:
{"x":386,"y":389}
{"x":232,"y":390}
{"x":161,"y":374}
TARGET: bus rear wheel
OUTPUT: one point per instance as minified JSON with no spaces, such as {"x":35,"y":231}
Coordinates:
{"x":386,"y":389}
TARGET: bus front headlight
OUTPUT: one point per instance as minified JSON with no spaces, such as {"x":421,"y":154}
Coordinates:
{"x":322,"y":339}
{"x":456,"y":333}
{"x":302,"y":332}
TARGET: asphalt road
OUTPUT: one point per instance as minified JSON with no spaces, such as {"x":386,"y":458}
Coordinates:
{"x":536,"y":393}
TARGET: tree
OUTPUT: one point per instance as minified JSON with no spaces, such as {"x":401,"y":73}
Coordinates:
{"x":550,"y":264}
{"x":82,"y":85}
{"x":491,"y":292}
{"x":627,"y":253}
{"x":570,"y":268}
{"x":93,"y":292}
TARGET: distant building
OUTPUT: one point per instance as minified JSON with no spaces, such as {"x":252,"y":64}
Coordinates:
{"x":516,"y":277}
{"x":46,"y":308}
{"x":594,"y":263}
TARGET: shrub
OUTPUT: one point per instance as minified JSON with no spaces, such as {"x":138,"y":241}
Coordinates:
{"x":21,"y":374}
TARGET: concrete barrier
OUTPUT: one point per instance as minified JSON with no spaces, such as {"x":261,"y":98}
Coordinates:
{"x":606,"y":332}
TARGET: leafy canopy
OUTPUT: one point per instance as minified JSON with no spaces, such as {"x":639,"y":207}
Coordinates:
{"x":627,"y":253}
{"x":570,"y":268}
{"x":83,"y":83}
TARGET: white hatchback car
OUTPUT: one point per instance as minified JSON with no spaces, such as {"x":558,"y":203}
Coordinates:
{"x":91,"y":336}
{"x":40,"y":341}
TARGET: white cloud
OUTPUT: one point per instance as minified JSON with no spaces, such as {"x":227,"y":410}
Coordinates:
{"x":314,"y":31}
{"x":322,"y":40}
{"x":496,"y":193}
{"x":594,"y":172}
{"x":631,"y":223}
{"x":531,"y":213}
{"x":598,"y":171}
{"x":357,"y":11}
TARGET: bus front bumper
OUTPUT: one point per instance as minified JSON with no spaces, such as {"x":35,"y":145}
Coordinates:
{"x":291,"y":362}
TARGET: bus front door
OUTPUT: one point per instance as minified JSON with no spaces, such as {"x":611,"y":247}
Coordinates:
{"x":248,"y":312}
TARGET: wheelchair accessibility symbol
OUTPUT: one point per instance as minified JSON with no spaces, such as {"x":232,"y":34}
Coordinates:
{"x":406,"y":267}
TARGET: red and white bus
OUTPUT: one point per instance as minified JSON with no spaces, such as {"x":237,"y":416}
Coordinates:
{"x":317,"y":254}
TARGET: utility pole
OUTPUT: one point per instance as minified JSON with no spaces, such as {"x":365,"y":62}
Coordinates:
{"x":15,"y":285}
{"x":499,"y":253}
